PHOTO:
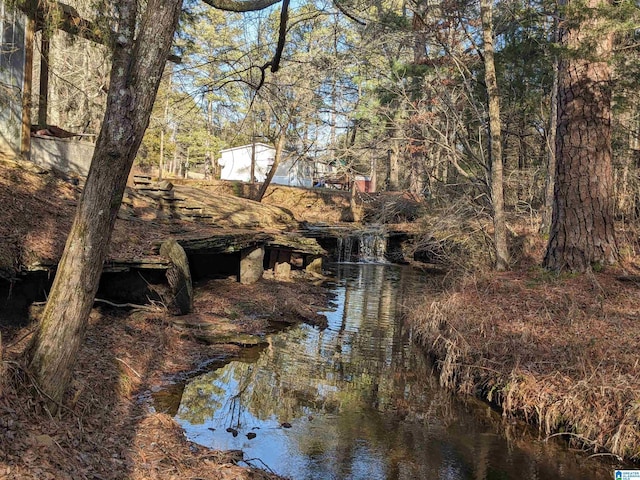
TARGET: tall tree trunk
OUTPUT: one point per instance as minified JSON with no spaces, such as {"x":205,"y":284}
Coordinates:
{"x":175,"y":163}
{"x":135,"y":77}
{"x":373,"y":179}
{"x":353,"y":215}
{"x":161,"y":158}
{"x":165,"y":121}
{"x":276,"y":161}
{"x":393,"y":161}
{"x":213,"y":165}
{"x":495,"y":132}
{"x":1,"y":366}
{"x":416,"y":174}
{"x":582,"y":228}
{"x":550,"y":178}
{"x":45,"y":65}
{"x":624,"y":177}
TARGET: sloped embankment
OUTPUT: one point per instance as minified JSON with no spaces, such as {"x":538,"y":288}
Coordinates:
{"x":559,"y":352}
{"x":315,"y":205}
{"x":37,"y":209}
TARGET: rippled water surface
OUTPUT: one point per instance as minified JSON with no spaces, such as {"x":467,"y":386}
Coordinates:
{"x":358,"y":401}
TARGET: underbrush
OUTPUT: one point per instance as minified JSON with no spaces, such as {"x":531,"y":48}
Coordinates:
{"x":459,"y":236}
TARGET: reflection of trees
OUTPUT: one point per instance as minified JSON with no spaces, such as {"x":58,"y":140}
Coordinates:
{"x":384,"y":409}
{"x":330,"y":371}
{"x":362,"y":369}
{"x":351,"y":359}
{"x":200,"y":399}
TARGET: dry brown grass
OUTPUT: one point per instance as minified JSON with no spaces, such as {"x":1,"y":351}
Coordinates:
{"x":558,"y":351}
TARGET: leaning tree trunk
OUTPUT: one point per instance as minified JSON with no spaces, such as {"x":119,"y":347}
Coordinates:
{"x":276,"y":162}
{"x":495,"y":132}
{"x":582,"y":227}
{"x":135,"y":76}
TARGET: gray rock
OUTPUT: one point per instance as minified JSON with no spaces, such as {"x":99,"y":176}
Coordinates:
{"x":315,"y":266}
{"x":251,"y":265}
{"x":282,"y":271}
{"x":179,"y":276}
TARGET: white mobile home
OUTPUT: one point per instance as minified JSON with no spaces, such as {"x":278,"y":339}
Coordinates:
{"x":294,"y":172}
{"x":235,"y":164}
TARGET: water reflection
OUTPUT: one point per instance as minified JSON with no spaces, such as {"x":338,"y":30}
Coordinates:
{"x":356,"y":401}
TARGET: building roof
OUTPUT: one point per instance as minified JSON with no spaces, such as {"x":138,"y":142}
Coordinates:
{"x":247,"y":146}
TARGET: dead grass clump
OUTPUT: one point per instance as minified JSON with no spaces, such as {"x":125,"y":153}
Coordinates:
{"x":391,"y":207}
{"x":591,"y":412}
{"x":559,"y":351}
{"x":457,"y":237}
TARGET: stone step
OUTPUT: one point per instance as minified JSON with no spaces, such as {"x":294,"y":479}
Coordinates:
{"x":198,"y":215}
{"x":172,"y":199}
{"x":141,"y":180}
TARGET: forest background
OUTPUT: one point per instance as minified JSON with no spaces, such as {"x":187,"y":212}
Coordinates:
{"x":416,"y":95}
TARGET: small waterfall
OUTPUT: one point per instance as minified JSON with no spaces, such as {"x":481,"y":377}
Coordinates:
{"x":373,"y":246}
{"x":368,"y":246}
{"x":345,"y":249}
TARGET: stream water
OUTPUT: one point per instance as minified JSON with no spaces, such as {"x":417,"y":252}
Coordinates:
{"x":358,"y":401}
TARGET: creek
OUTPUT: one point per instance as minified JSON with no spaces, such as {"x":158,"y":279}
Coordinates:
{"x":358,"y":400}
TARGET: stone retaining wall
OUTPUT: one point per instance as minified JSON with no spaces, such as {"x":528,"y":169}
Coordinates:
{"x":69,"y":156}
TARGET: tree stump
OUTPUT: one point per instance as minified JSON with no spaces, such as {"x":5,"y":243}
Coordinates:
{"x":179,"y":277}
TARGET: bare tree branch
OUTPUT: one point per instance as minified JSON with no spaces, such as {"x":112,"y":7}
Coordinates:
{"x":240,"y":5}
{"x":284,"y":16}
{"x":348,"y":14}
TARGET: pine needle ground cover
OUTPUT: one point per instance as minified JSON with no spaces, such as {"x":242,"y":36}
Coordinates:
{"x":109,"y":426}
